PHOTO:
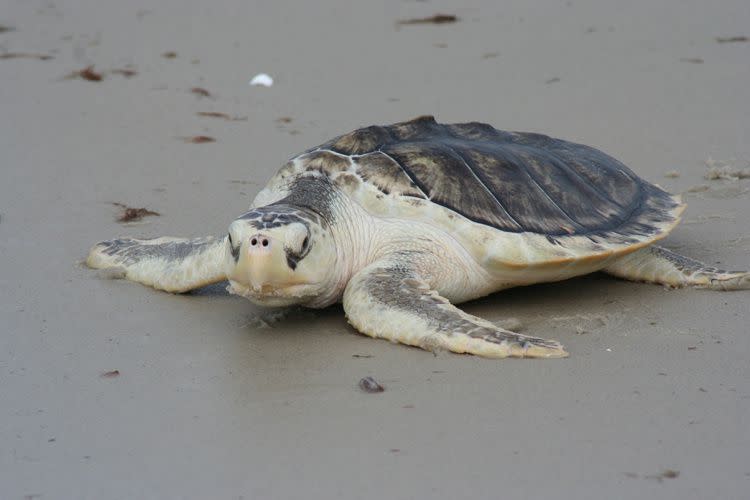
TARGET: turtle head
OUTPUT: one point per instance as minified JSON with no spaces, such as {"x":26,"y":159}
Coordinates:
{"x":280,"y":255}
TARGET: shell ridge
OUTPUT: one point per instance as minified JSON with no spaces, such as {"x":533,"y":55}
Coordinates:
{"x":563,"y":165}
{"x":484,"y":185}
{"x":535,"y":182}
{"x":411,"y":178}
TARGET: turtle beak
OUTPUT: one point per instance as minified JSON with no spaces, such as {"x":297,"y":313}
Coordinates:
{"x":264,"y":262}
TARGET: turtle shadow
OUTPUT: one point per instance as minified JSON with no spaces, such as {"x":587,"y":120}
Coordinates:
{"x":213,"y":290}
{"x":583,"y":296}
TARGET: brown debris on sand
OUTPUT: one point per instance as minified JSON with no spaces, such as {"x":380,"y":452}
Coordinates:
{"x":224,"y":116}
{"x":671,"y":174}
{"x":169,"y":55}
{"x":200,"y":92}
{"x":665,"y":474}
{"x":5,"y":29}
{"x":110,"y":374}
{"x":198,"y":139}
{"x":25,"y":55}
{"x":126,"y":72}
{"x":130,"y":214}
{"x":436,"y":19}
{"x":87,"y":74}
{"x":732,"y":39}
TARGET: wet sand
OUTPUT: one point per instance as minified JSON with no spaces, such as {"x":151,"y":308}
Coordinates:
{"x":214,"y":398}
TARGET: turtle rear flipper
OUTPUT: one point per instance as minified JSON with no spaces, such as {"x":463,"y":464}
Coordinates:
{"x":387,"y":300}
{"x":170,"y":264}
{"x":658,"y":265}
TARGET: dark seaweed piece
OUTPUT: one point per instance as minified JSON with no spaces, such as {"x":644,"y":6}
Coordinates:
{"x":130,"y":214}
{"x":126,"y":72}
{"x":732,"y":39}
{"x":436,"y":19}
{"x":214,"y":114}
{"x":110,"y":374}
{"x":198,"y":139}
{"x":200,"y":92}
{"x":87,"y":73}
{"x":368,"y":384}
{"x":169,"y":55}
{"x":361,"y":355}
{"x":665,"y":474}
{"x":25,"y":55}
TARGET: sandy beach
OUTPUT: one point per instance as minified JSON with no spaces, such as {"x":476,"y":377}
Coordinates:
{"x":109,"y":389}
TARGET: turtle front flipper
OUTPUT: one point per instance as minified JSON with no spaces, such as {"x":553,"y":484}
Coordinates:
{"x":658,"y":265}
{"x":171,"y":264}
{"x":386,"y":300}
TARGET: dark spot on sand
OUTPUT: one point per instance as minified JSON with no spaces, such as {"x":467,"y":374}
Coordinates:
{"x":86,"y":73}
{"x":361,"y":355}
{"x":5,"y":29}
{"x":436,"y":19}
{"x":110,"y":374}
{"x":130,"y":214}
{"x":732,"y":39}
{"x":368,"y":384}
{"x":284,"y":119}
{"x":198,"y":139}
{"x":552,"y":80}
{"x":200,"y":92}
{"x":223,"y":116}
{"x":25,"y":55}
{"x":665,"y":474}
{"x":169,"y":55}
{"x":702,"y":389}
{"x":692,"y":348}
{"x":126,"y":72}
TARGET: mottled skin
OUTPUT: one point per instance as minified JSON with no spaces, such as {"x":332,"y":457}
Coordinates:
{"x":401,"y":222}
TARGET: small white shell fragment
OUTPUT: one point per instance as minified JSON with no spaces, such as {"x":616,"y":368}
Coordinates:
{"x":262,"y":79}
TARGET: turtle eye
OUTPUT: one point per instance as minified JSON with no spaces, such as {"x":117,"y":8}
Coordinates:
{"x":305,"y":242}
{"x":229,"y":236}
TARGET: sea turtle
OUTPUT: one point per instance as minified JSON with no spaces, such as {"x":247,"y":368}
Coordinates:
{"x":400,"y":222}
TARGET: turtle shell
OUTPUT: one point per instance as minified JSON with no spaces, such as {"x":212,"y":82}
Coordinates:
{"x":573,"y":196}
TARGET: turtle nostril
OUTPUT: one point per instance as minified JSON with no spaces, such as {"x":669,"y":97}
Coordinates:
{"x":254,"y":241}
{"x":264,"y":242}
